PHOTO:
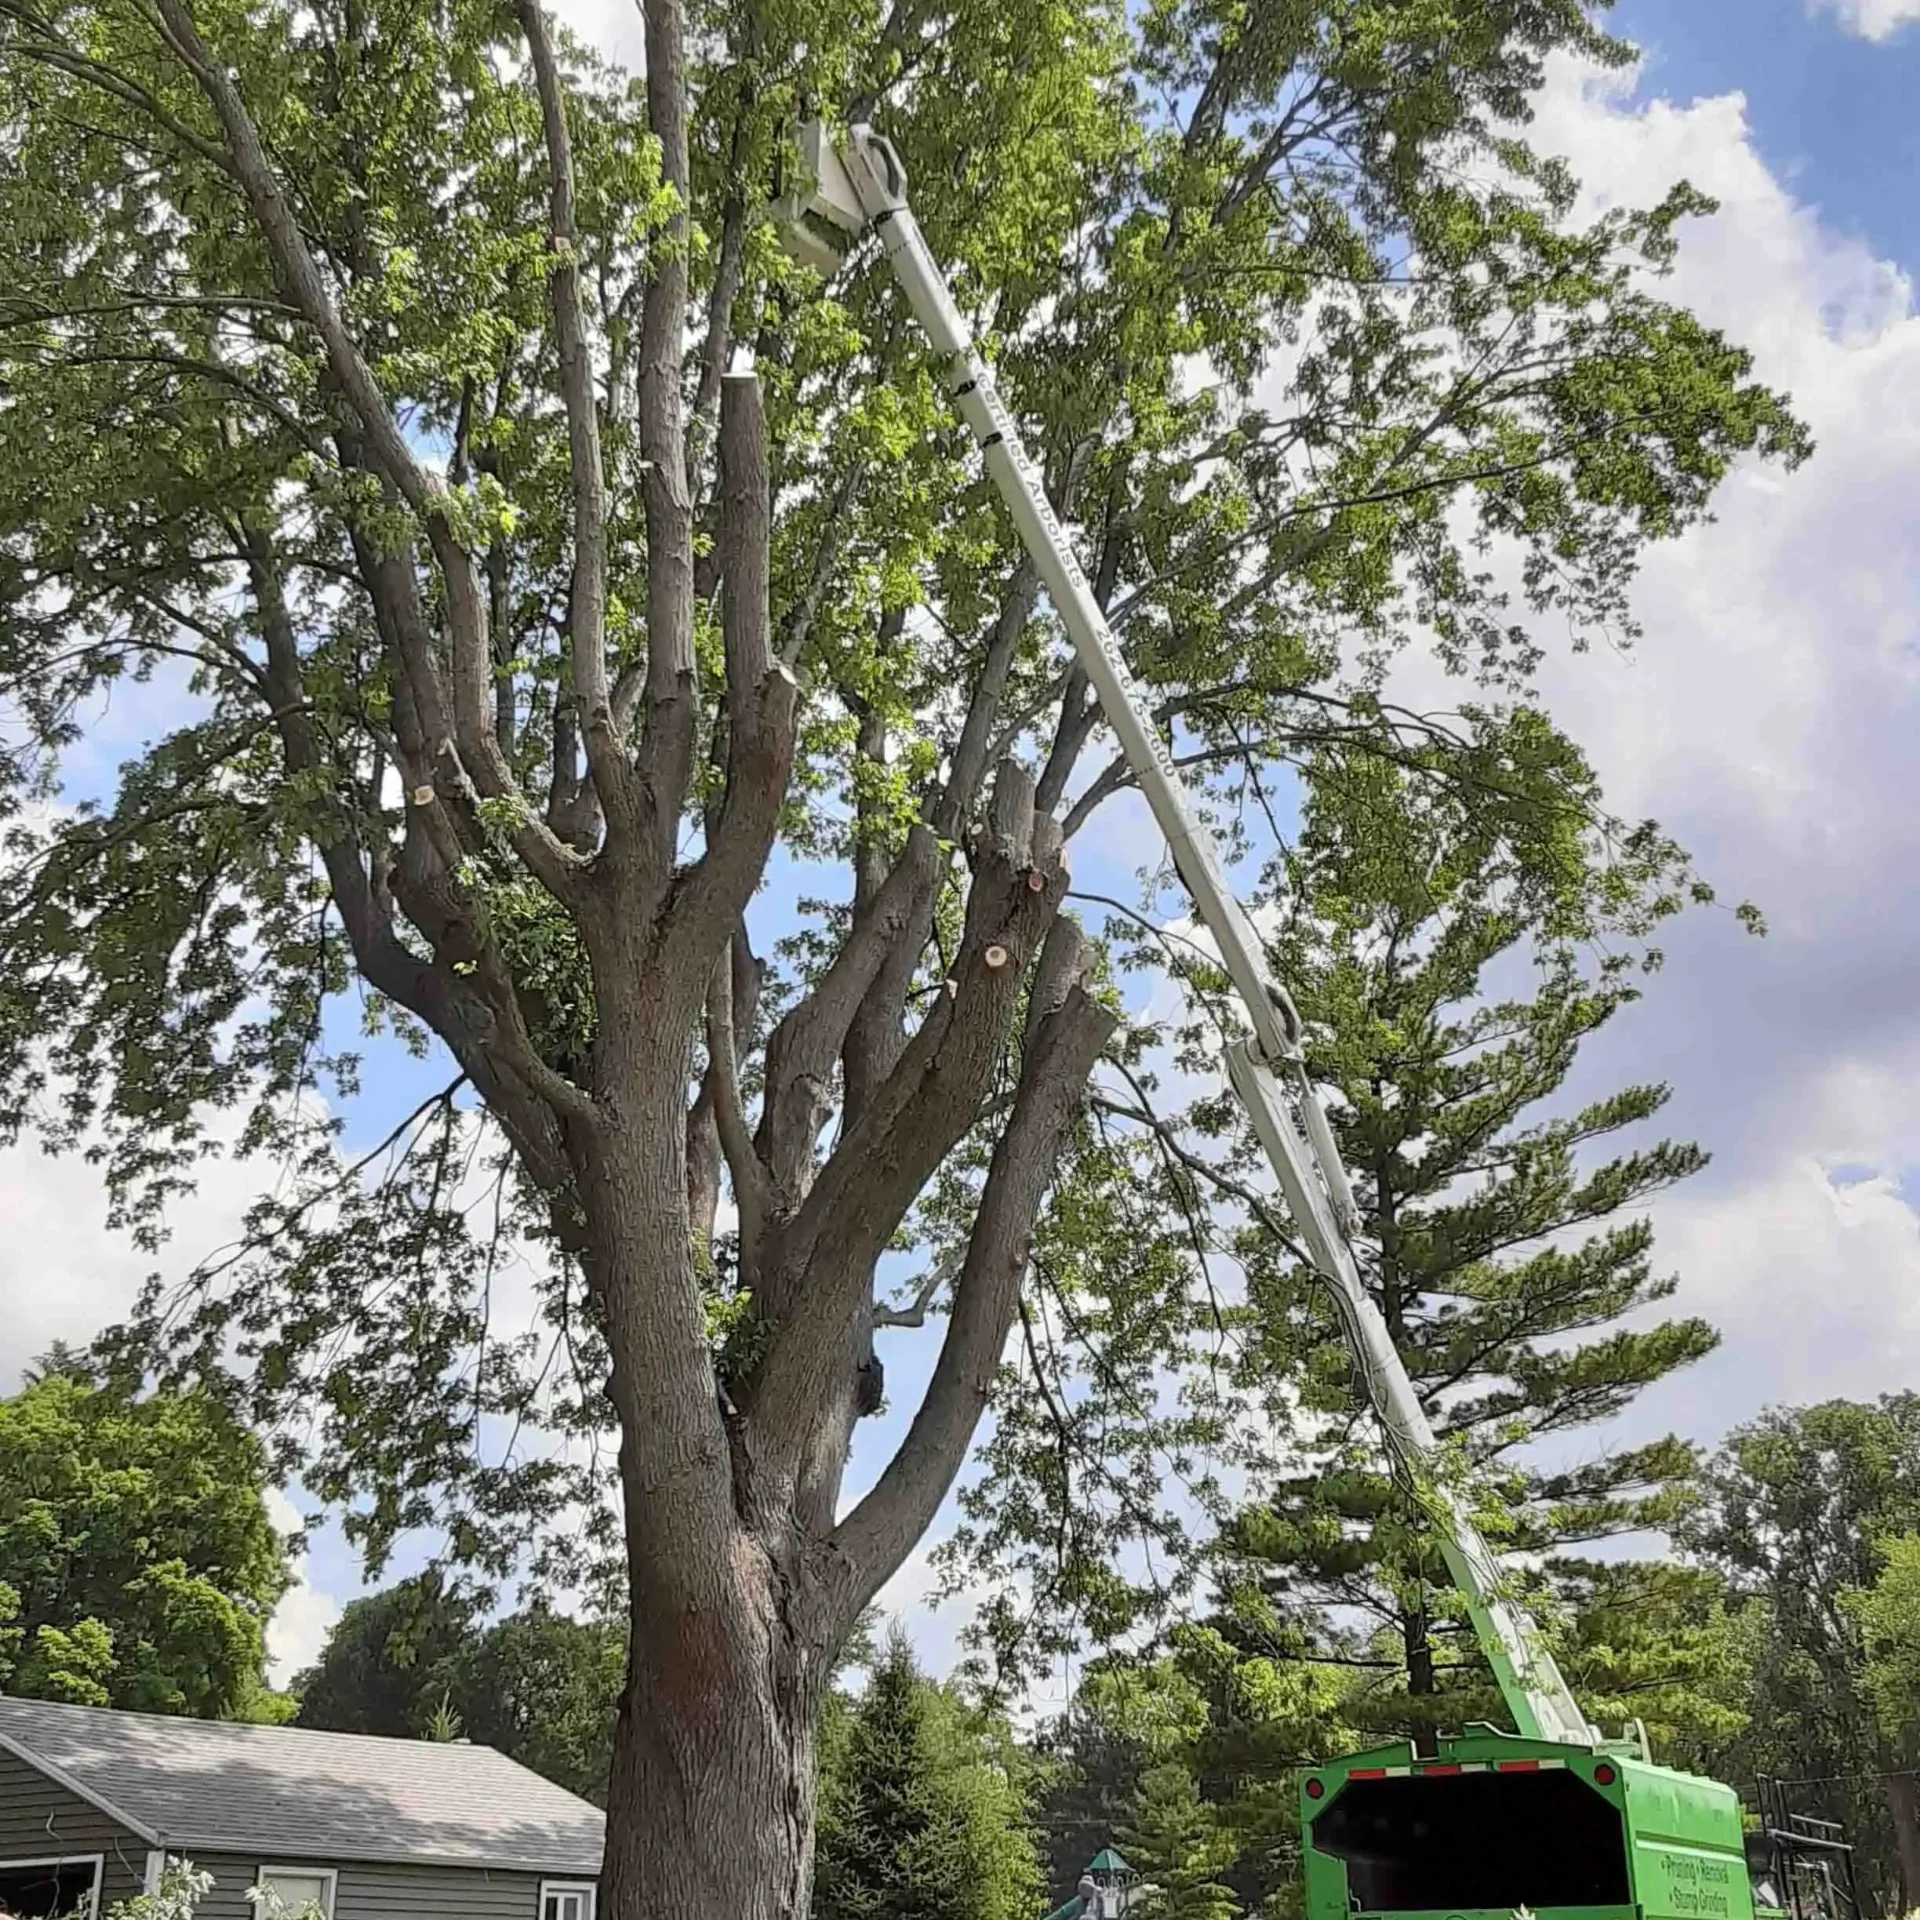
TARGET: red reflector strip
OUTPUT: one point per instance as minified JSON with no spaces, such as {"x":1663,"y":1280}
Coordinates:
{"x":1445,"y":1766}
{"x":1519,"y":1766}
{"x":1367,"y":1773}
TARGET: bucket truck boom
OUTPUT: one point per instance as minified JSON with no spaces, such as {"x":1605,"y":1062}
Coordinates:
{"x":857,"y":183}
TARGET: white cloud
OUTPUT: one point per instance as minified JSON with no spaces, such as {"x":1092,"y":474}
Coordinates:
{"x":934,"y":1625}
{"x":64,"y":1274}
{"x":1767,"y":718}
{"x":1780,"y":640}
{"x":1833,"y":1267}
{"x":1870,"y":19}
{"x":613,"y":29}
{"x":305,"y":1616}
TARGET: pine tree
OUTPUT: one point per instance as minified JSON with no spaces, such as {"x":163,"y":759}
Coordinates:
{"x":921,"y":1815}
{"x":1448,"y":983}
{"x":1092,"y":1768}
{"x":1181,"y":1847}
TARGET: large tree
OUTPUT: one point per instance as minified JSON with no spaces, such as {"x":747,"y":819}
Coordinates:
{"x":380,"y":1671}
{"x":364,"y":397}
{"x":1181,"y":1846}
{"x":544,"y":1689}
{"x":139,"y":1565}
{"x":1802,"y":1507}
{"x":1450,"y":956}
{"x":536,"y":1685}
{"x":1450,"y":985}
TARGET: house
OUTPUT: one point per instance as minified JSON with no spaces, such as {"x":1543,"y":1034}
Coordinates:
{"x":92,"y":1803}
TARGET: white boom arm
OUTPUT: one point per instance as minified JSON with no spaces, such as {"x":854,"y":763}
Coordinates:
{"x":861,"y":184}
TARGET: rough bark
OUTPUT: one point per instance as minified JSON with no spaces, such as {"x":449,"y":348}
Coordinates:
{"x":712,"y":1789}
{"x":1421,"y":1679}
{"x":1903,"y":1809}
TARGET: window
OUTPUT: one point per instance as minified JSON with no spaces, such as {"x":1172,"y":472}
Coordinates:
{"x":566,"y":1900}
{"x":291,"y":1893}
{"x":51,"y":1889}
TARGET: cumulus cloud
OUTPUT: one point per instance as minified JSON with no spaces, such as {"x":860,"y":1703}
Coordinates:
{"x":1870,"y":19}
{"x":612,"y":28}
{"x":1767,"y":718}
{"x":64,"y":1274}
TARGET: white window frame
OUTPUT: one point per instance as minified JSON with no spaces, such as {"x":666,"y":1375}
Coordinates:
{"x":329,"y":1877}
{"x":583,"y":1887}
{"x":97,"y":1861}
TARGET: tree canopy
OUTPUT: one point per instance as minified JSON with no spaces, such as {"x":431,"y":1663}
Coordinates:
{"x":365,"y":403}
{"x":536,"y":1685}
{"x":138,"y":1562}
{"x":1182,"y":1848}
{"x":1449,"y":961}
{"x":1803,"y":1506}
{"x":379,"y":1671}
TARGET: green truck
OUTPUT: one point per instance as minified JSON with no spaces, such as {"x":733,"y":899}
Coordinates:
{"x":1491,"y":1824}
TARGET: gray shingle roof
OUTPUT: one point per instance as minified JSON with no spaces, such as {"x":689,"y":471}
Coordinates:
{"x":290,"y":1793}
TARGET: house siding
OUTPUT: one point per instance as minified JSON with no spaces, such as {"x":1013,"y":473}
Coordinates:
{"x":39,"y":1819}
{"x":435,"y":1893}
{"x":380,"y":1892}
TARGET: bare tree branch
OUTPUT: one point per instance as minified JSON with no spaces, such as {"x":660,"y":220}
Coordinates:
{"x":819,"y":1264}
{"x":969,"y":765}
{"x":667,"y":735}
{"x":719,"y":341}
{"x":915,"y":1315}
{"x":797,"y":627}
{"x":761,"y":694}
{"x":723,"y":1069}
{"x":804,"y":1046}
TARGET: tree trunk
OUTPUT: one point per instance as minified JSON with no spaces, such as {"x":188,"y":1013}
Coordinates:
{"x":1903,"y":1808}
{"x":712,"y":1791}
{"x":1414,"y":1631}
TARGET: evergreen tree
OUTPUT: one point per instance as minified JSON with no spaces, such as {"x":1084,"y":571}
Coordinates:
{"x":1448,"y":985}
{"x":1181,"y":1847}
{"x":1090,"y":1769}
{"x":1664,"y":1644}
{"x":922,"y":1815}
{"x":1237,"y":1725}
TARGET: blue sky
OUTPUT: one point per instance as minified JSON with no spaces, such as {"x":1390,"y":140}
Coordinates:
{"x":1768,"y":718}
{"x":1832,"y":112}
